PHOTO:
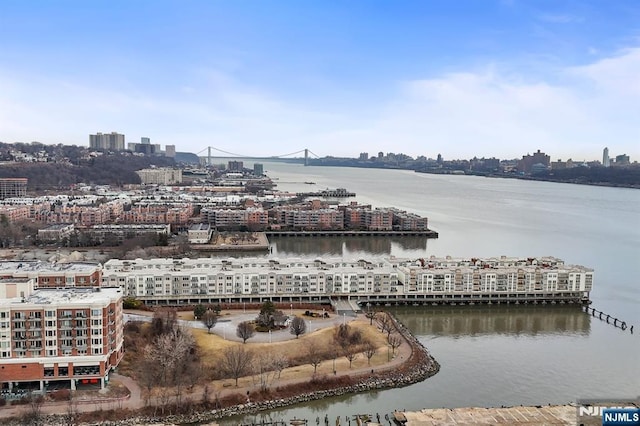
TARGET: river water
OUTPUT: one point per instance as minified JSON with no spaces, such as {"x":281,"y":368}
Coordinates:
{"x":495,"y":355}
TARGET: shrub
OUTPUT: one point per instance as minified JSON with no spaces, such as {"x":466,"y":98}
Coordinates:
{"x":61,"y":395}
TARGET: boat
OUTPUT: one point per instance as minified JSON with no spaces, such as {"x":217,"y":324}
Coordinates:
{"x":310,"y":183}
{"x":297,"y":422}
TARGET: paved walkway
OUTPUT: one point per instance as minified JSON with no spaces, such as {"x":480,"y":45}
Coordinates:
{"x":218,"y":388}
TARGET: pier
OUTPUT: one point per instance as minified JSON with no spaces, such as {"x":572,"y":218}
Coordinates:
{"x":606,"y":317}
{"x":345,"y":233}
{"x":328,"y":193}
{"x":561,"y":415}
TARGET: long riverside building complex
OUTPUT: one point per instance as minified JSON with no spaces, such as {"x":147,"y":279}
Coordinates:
{"x":389,"y":280}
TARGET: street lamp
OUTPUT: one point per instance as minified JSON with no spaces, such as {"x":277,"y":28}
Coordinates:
{"x":269,"y":336}
{"x":291,"y":306}
{"x":344,"y":318}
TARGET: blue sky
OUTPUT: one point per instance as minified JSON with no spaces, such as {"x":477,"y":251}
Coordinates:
{"x":460,"y":78}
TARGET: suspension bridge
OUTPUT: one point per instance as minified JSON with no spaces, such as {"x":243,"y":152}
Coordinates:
{"x":213,"y":152}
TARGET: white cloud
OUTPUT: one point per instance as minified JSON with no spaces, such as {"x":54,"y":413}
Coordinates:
{"x":488,"y":112}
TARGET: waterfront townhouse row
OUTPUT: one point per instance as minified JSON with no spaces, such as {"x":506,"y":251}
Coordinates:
{"x":89,"y":215}
{"x":200,"y":280}
{"x":253,"y":218}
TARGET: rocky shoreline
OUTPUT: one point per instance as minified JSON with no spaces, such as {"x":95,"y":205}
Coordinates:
{"x":420,"y":366}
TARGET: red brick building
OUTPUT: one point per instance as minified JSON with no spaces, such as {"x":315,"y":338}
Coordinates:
{"x":59,"y":338}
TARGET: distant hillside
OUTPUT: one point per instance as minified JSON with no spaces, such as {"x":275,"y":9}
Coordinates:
{"x":628,"y":177}
{"x":187,"y":158}
{"x":113,"y":169}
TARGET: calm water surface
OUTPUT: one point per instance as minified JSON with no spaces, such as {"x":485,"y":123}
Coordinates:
{"x":493,"y":356}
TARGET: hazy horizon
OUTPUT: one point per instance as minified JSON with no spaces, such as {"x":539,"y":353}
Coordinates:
{"x":499,"y":78}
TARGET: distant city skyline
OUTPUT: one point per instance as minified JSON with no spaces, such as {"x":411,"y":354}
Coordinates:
{"x":492,"y":79}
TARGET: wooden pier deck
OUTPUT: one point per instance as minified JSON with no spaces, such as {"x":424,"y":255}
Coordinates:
{"x":555,"y":415}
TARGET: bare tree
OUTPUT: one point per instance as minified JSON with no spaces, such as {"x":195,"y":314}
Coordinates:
{"x":264,"y":367}
{"x":350,"y":354}
{"x":70,"y":417}
{"x":371,"y":315}
{"x":394,"y":341}
{"x":314,"y":355}
{"x":165,"y":320}
{"x":341,"y":335}
{"x":236,"y":362}
{"x":369,"y":351}
{"x":209,"y":319}
{"x":280,"y":362}
{"x":245,"y":331}
{"x":168,"y":356}
{"x":385,"y":323}
{"x":33,"y":415}
{"x":298,"y":326}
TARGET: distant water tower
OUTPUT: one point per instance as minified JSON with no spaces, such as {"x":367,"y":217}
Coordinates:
{"x":606,"y":162}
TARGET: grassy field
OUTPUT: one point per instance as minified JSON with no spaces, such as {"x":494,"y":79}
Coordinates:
{"x":211,"y":347}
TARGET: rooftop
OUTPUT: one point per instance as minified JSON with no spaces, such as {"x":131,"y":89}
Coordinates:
{"x":66,"y":296}
{"x":21,"y":267}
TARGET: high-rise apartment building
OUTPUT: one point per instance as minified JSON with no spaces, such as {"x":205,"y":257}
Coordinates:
{"x":160,"y":176}
{"x":64,"y":337}
{"x":606,"y":161}
{"x":113,"y":141}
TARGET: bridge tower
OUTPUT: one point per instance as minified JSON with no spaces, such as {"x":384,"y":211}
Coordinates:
{"x":208,"y":156}
{"x":306,"y":157}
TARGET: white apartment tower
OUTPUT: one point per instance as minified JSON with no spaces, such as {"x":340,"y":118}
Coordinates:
{"x":606,"y":162}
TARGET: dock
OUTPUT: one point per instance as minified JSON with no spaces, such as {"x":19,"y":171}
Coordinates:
{"x":328,"y":193}
{"x":346,"y":233}
{"x":554,"y":415}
